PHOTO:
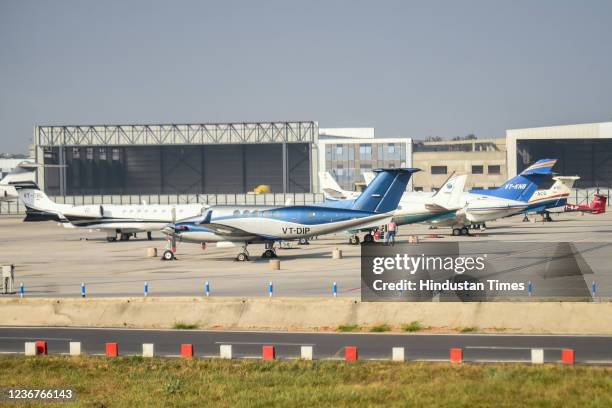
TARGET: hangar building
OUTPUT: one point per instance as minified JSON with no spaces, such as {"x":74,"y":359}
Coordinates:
{"x":214,"y":158}
{"x":584,"y":150}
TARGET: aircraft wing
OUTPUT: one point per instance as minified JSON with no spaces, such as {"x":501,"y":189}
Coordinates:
{"x":226,"y":231}
{"x":436,"y":208}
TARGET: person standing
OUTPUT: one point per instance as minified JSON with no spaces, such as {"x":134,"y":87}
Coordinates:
{"x":391,"y":229}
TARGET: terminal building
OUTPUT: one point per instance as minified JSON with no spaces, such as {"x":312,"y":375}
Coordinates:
{"x":348,"y":153}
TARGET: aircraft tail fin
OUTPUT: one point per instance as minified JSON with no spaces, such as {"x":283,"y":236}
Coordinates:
{"x":368,"y":176}
{"x":522,"y":187}
{"x":383,"y":194}
{"x":35,"y":199}
{"x":449,"y":195}
{"x":330,"y":187}
{"x":563,"y":184}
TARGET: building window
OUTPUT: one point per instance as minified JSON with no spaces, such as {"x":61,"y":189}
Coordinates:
{"x":365,"y":152}
{"x":102,"y":153}
{"x":477,"y":169}
{"x":439,"y":170}
{"x":338,"y":151}
{"x":116,"y":154}
{"x":76,"y":153}
{"x":496,"y":169}
{"x":89,"y":152}
{"x":391,"y":149}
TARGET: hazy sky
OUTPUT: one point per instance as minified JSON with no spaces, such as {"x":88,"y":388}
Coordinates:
{"x":407,"y":68}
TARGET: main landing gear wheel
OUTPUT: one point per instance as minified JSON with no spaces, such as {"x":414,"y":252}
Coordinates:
{"x":125,"y":237}
{"x":460,"y":231}
{"x":149,"y":236}
{"x":269,"y":254}
{"x":354,"y":240}
{"x":111,"y":239}
{"x":168,"y":255}
{"x":368,"y":238}
{"x":241,"y":257}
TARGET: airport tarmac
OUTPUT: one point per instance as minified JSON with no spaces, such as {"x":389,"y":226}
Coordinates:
{"x":52,"y":261}
{"x":432,"y":347}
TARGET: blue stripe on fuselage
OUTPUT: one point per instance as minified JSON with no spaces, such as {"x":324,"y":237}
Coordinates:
{"x":305,"y":215}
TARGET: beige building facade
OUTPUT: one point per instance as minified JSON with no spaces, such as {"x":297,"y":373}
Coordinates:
{"x":483,"y":160}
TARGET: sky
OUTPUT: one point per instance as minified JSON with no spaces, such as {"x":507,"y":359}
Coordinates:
{"x":408,"y":68}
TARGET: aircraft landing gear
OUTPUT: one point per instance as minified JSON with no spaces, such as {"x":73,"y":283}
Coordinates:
{"x":460,"y":231}
{"x":269,"y":253}
{"x":547,"y":217}
{"x":244,"y":255}
{"x":149,"y":236}
{"x":125,"y":237}
{"x":111,"y":239}
{"x":168,"y":255}
{"x":354,"y":240}
{"x":525,"y":218}
{"x":368,"y":237}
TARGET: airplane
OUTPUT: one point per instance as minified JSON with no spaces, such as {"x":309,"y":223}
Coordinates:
{"x":122,"y":221}
{"x":511,"y":197}
{"x":412,"y":208}
{"x":555,"y":196}
{"x":597,"y":206}
{"x":23,"y":172}
{"x":264,"y":224}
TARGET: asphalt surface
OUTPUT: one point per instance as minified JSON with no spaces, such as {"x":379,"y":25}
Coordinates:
{"x":52,"y":261}
{"x":434,"y":347}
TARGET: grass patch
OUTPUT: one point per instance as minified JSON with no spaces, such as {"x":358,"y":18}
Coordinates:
{"x":348,"y":328}
{"x":184,"y":326}
{"x":413,"y":326}
{"x":380,"y":328}
{"x":469,"y":329}
{"x":125,"y":381}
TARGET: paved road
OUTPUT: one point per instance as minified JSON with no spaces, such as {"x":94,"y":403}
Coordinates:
{"x":476,"y":347}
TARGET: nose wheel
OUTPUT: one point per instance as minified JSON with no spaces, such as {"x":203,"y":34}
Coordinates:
{"x":168,"y":255}
{"x":244,"y":255}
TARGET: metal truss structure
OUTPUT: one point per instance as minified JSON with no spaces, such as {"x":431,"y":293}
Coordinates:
{"x":177,"y":134}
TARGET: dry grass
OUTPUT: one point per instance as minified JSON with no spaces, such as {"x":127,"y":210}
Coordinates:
{"x":134,"y":381}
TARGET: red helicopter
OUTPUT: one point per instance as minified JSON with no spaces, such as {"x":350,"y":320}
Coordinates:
{"x":597,"y":206}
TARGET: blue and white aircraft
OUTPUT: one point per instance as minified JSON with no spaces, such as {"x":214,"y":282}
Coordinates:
{"x":512,"y":197}
{"x":257,"y":224}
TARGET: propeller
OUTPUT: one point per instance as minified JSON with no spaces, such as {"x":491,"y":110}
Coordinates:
{"x":173,"y":236}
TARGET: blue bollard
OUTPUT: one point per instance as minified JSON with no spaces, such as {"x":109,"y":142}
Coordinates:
{"x":207,"y":288}
{"x":21,"y":290}
{"x":530,"y":288}
{"x":82,"y":289}
{"x":270,"y":289}
{"x":594,"y":288}
{"x":146,"y":289}
{"x":335,"y":289}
